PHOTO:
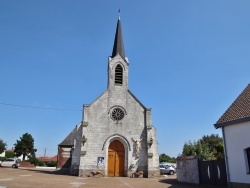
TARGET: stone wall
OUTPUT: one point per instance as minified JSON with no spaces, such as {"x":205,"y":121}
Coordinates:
{"x":76,"y":150}
{"x":100,"y":129}
{"x":188,"y":169}
{"x":153,"y":156}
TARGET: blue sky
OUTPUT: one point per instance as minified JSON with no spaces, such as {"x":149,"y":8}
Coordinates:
{"x":189,"y":60}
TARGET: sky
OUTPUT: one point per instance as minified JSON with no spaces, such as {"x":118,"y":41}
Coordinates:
{"x":189,"y":60}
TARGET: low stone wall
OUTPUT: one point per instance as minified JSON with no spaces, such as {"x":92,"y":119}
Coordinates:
{"x":188,"y":169}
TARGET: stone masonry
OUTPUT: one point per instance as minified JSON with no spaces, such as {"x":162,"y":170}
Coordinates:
{"x":116,"y":115}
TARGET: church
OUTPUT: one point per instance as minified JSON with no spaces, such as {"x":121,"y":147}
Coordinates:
{"x":116,"y":136}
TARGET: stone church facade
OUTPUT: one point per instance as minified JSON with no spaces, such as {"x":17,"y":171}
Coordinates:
{"x":116,"y":136}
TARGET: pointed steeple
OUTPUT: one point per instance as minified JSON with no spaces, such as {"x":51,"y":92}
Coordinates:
{"x":118,"y":43}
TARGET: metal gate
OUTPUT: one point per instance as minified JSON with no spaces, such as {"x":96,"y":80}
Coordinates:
{"x":213,"y":172}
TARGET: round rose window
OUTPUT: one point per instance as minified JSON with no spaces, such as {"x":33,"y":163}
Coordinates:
{"x":117,"y":114}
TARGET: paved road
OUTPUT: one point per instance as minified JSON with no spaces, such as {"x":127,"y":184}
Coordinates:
{"x":34,"y":178}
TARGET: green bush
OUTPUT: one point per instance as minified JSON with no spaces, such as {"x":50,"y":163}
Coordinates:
{"x":9,"y":154}
{"x":33,"y":160}
{"x":2,"y":158}
{"x":40,"y":163}
{"x":52,"y":164}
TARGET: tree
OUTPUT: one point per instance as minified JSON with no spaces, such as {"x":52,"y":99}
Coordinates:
{"x":9,"y":154}
{"x":209,"y":147}
{"x":203,"y":151}
{"x":25,"y":146}
{"x":34,"y":160}
{"x":189,"y":149}
{"x":215,"y":144}
{"x":165,"y":158}
{"x":2,"y":146}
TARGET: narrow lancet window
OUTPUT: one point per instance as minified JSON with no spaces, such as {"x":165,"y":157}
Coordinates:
{"x":118,"y":75}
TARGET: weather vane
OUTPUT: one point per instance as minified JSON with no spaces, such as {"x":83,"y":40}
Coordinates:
{"x":119,"y":11}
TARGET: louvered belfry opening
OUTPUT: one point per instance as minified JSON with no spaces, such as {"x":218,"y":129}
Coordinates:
{"x":118,"y":75}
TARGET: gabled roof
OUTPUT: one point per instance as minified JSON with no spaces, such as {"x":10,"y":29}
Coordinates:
{"x":238,"y":112}
{"x":69,"y":140}
{"x":118,"y":42}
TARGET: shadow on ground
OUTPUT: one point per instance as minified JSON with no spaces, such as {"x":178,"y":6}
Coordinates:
{"x":52,"y":172}
{"x":175,"y":184}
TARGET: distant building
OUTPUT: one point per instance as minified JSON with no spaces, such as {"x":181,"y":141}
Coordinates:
{"x":116,"y":135}
{"x":2,"y":154}
{"x":11,"y":150}
{"x":47,"y":160}
{"x":235,"y":125}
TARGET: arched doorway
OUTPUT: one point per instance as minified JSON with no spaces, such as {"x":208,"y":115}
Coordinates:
{"x":116,"y":158}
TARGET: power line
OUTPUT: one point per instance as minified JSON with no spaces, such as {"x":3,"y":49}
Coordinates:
{"x":37,"y":107}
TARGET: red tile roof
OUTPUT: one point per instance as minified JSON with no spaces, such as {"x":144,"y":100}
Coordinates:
{"x":238,"y":112}
{"x":10,"y":150}
{"x":47,"y":159}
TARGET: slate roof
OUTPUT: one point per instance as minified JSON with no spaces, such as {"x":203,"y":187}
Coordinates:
{"x":69,"y":140}
{"x":238,"y":112}
{"x":118,"y":42}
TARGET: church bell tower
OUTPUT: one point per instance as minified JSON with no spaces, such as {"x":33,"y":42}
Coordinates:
{"x":118,"y":63}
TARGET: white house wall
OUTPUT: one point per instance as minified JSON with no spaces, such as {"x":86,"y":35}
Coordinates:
{"x":237,"y":139}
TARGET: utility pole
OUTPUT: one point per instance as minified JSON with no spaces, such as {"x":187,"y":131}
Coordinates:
{"x":44,"y":152}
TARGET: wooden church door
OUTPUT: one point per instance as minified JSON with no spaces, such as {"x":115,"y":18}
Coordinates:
{"x":116,"y":158}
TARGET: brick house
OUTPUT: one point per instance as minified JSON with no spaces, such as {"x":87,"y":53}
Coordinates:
{"x":116,"y":136}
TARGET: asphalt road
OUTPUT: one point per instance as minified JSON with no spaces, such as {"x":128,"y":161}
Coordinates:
{"x":36,"y":178}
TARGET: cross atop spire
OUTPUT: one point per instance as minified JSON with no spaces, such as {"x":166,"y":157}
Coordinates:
{"x":118,"y":47}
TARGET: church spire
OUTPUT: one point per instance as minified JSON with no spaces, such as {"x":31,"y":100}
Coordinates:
{"x":118,"y":43}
